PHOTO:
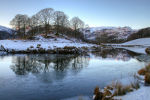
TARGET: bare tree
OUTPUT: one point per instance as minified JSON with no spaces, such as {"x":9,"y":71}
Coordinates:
{"x":34,"y":24}
{"x":60,"y":20}
{"x":20,"y":22}
{"x":46,"y":18}
{"x":76,"y":24}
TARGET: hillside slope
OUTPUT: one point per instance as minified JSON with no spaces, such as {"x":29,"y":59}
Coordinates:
{"x":6,"y":29}
{"x":5,"y":33}
{"x":120,"y":32}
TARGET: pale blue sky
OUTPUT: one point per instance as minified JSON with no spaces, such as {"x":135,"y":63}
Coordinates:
{"x":133,"y":13}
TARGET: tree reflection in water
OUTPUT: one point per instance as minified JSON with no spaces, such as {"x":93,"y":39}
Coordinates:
{"x":116,"y":53}
{"x":48,"y":67}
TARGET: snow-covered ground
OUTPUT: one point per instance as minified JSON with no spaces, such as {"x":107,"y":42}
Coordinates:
{"x":141,"y":94}
{"x":137,"y":45}
{"x":51,"y":43}
{"x":141,"y":41}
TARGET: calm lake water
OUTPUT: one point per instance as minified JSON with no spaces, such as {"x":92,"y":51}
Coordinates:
{"x":57,"y":77}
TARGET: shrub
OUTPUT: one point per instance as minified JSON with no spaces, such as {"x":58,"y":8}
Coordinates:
{"x":49,"y":47}
{"x":147,"y":78}
{"x":38,"y":45}
{"x":31,"y":47}
{"x":96,"y":90}
{"x":107,"y":95}
{"x":69,"y":48}
{"x":34,"y":51}
{"x":142,"y":71}
{"x":28,"y":49}
{"x":119,"y":89}
{"x":84,"y":48}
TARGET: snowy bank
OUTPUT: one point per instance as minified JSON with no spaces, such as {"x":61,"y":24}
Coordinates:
{"x":137,"y":45}
{"x":140,"y":94}
{"x":141,"y":41}
{"x":41,"y":43}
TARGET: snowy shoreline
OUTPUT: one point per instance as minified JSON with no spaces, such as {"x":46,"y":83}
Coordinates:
{"x":42,"y":45}
{"x":137,"y":45}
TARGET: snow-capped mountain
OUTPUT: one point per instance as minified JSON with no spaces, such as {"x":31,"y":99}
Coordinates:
{"x":119,"y":32}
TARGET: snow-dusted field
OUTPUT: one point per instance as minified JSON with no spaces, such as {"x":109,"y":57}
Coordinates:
{"x":19,"y":45}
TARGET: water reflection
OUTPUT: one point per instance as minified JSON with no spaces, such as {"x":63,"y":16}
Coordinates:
{"x":48,"y":67}
{"x":56,"y":77}
{"x":116,"y":53}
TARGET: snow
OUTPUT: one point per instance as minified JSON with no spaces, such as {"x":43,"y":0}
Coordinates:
{"x":2,"y":28}
{"x":19,"y":45}
{"x":137,"y":45}
{"x":141,"y":41}
{"x":141,"y":94}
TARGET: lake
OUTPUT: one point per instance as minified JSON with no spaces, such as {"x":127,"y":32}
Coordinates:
{"x":57,"y":77}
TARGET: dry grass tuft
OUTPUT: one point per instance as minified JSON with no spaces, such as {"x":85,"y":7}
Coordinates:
{"x":135,"y":85}
{"x":120,"y":89}
{"x":146,"y":72}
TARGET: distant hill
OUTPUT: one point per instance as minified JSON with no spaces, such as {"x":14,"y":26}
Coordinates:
{"x":6,"y":33}
{"x":115,"y":33}
{"x":143,"y":33}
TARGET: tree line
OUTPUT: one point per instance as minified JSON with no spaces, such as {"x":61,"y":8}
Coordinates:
{"x":47,"y":21}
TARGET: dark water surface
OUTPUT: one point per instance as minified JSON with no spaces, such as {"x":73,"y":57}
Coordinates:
{"x":56,"y":77}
